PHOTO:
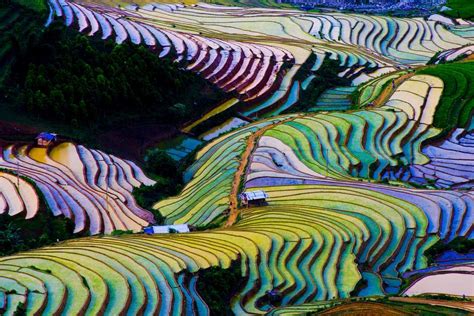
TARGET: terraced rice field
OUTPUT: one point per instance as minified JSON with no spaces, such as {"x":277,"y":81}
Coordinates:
{"x":343,"y":145}
{"x":309,"y":163}
{"x":337,"y":99}
{"x":405,"y":40}
{"x":86,"y":185}
{"x":17,"y":196}
{"x":355,"y":197}
{"x":456,"y":107}
{"x":418,"y":97}
{"x":308,"y":249}
{"x":377,"y":307}
{"x":370,"y":92}
{"x":455,"y":53}
{"x":257,"y":52}
{"x":206,"y":195}
{"x":456,"y":280}
{"x":450,"y":163}
{"x":179,"y":147}
{"x":251,"y":70}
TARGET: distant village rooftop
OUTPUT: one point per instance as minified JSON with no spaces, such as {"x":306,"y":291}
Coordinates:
{"x":166,"y":229}
{"x":253,"y":197}
{"x":45,"y":138}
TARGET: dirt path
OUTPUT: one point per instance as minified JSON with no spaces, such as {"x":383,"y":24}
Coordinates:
{"x":387,"y":93}
{"x":241,"y":171}
{"x":467,"y":306}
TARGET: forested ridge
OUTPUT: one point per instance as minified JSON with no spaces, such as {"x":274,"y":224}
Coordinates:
{"x":67,"y":77}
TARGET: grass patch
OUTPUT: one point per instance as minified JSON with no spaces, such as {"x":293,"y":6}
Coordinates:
{"x":460,"y":9}
{"x":456,"y":106}
{"x":217,"y":286}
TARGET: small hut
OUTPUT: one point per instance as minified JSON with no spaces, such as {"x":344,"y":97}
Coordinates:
{"x":254,"y":198}
{"x":45,"y":139}
{"x":166,"y":229}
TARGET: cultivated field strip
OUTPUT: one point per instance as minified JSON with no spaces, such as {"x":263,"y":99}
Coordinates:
{"x":311,"y":243}
{"x":336,"y":99}
{"x":360,"y":43}
{"x":394,"y":306}
{"x":455,"y":280}
{"x":343,"y":145}
{"x":456,"y":106}
{"x":406,"y":41}
{"x":256,"y":52}
{"x":451,"y":163}
{"x":206,"y":196}
{"x":17,"y":196}
{"x":370,"y":91}
{"x":455,"y":53}
{"x":417,"y":219}
{"x":418,"y":96}
{"x":403,"y":40}
{"x":327,"y":228}
{"x":449,"y":213}
{"x":251,"y":70}
{"x":88,"y":186}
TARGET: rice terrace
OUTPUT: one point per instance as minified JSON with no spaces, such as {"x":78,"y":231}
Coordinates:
{"x":236,"y":157}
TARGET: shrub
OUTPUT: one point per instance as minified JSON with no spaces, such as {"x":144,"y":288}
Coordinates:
{"x":459,"y":244}
{"x":68,"y":77}
{"x":217,"y":286}
{"x":160,"y":164}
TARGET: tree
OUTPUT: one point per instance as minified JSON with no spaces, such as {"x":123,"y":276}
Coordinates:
{"x":159,"y":163}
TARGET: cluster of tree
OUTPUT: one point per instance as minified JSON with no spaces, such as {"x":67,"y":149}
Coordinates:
{"x":169,"y":181}
{"x":169,"y":176}
{"x":68,"y":77}
{"x":217,"y":286}
{"x":461,"y":245}
{"x":19,"y":26}
{"x":19,"y":234}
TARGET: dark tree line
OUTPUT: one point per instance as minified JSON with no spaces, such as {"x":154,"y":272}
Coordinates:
{"x":68,"y":77}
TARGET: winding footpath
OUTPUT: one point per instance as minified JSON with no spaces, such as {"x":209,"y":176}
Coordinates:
{"x":390,"y":90}
{"x":250,"y":146}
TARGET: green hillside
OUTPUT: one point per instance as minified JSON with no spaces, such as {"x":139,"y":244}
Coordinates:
{"x":461,"y":8}
{"x":457,"y":103}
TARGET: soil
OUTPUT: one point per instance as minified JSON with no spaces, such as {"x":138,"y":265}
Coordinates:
{"x":364,"y":309}
{"x":132,"y":142}
{"x":467,"y":306}
{"x":129,"y":143}
{"x":11,"y":132}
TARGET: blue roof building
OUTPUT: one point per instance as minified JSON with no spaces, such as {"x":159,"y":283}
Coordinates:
{"x":45,"y":138}
{"x":166,"y":229}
